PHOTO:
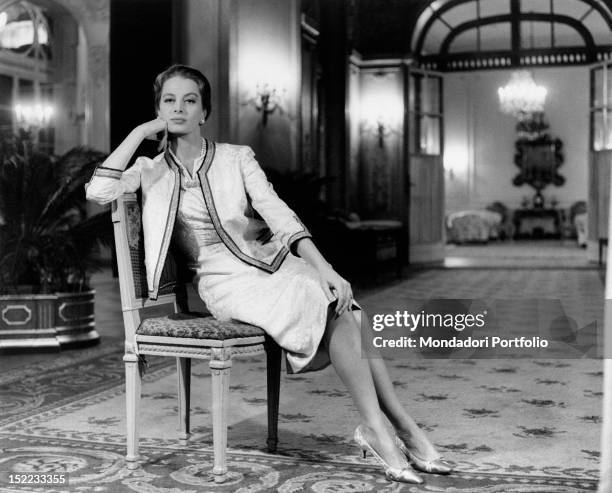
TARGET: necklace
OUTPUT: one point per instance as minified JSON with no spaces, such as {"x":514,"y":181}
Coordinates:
{"x":202,"y":151}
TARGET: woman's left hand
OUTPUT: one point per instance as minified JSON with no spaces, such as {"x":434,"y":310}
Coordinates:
{"x":334,"y":281}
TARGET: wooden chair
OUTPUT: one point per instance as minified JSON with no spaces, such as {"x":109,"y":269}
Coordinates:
{"x":163,"y":327}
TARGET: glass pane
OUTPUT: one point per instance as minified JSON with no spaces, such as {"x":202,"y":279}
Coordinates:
{"x":46,"y":92}
{"x":430,"y":135}
{"x":430,"y":96}
{"x":17,"y":31}
{"x":46,"y":137}
{"x":26,"y":90}
{"x":6,"y":119}
{"x":598,"y":130}
{"x":20,"y":25}
{"x":598,"y":83}
{"x":609,"y":85}
{"x":6,"y":91}
{"x":608,"y":131}
{"x":412,"y":88}
{"x":412,"y":133}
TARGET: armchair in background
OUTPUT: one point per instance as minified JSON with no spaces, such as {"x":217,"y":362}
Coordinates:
{"x":472,"y":226}
{"x":505,"y":227}
{"x":578,"y":220}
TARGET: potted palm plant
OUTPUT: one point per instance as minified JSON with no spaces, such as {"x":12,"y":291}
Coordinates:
{"x":47,"y":245}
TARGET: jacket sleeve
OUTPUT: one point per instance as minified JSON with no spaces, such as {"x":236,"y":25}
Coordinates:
{"x":108,"y":184}
{"x":282,"y":221}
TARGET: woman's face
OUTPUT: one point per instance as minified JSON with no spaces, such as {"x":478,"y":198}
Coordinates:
{"x":181,"y":105}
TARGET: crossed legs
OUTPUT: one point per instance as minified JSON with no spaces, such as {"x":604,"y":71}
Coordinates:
{"x":368,"y":382}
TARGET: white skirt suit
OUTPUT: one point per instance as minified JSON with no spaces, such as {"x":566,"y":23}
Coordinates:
{"x":244,"y":268}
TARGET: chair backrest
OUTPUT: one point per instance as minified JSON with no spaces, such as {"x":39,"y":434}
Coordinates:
{"x":579,"y":207}
{"x":129,"y":245}
{"x":500,"y":208}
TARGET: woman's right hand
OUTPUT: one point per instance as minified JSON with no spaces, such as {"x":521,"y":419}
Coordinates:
{"x":150,"y":129}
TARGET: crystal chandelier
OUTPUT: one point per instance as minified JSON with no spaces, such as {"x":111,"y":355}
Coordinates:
{"x":521,"y":96}
{"x":33,"y":115}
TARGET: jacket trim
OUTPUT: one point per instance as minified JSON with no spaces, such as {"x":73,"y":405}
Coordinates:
{"x":108,"y":172}
{"x":227,"y":239}
{"x":169,"y":227}
{"x":298,"y":236}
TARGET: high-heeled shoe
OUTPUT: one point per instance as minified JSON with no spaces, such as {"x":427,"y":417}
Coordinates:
{"x":431,"y":466}
{"x":402,"y":475}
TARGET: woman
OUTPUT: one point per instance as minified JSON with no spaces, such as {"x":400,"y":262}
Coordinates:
{"x":202,"y":195}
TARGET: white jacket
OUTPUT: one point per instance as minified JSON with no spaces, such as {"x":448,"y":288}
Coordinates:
{"x":232,"y":183}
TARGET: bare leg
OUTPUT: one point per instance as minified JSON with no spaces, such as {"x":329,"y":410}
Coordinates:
{"x":344,"y":346}
{"x":414,"y":437}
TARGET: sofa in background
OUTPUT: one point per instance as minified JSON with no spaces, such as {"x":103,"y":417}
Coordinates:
{"x":470,"y":226}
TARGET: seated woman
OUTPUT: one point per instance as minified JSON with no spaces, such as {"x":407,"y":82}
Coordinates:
{"x":201,"y":194}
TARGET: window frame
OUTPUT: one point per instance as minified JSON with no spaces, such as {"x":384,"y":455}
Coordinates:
{"x":417,"y":115}
{"x":600,"y":107}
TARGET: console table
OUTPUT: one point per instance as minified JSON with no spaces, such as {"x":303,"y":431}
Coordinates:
{"x":537,"y":223}
{"x":376,"y":243}
{"x":364,"y":248}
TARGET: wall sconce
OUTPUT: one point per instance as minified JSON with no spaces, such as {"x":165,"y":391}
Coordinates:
{"x":455,"y":160}
{"x":267,"y":100}
{"x":381,"y":124}
{"x":381,"y":115}
{"x":33,"y":115}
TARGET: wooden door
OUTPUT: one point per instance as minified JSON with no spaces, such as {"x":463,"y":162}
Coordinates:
{"x":600,"y":159}
{"x":424,"y":144}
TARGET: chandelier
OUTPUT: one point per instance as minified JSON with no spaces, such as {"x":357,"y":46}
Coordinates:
{"x":521,"y":96}
{"x":33,"y":114}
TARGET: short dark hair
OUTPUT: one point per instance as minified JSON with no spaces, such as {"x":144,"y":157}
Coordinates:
{"x":188,"y":73}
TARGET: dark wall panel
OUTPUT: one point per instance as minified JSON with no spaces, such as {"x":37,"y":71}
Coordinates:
{"x":141,"y":46}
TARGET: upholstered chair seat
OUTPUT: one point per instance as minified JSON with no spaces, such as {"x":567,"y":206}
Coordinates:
{"x":196,"y":326}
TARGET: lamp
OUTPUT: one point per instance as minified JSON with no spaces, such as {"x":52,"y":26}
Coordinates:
{"x":381,"y":115}
{"x":456,"y":159}
{"x":522,"y":97}
{"x":267,"y":100}
{"x":33,"y":114}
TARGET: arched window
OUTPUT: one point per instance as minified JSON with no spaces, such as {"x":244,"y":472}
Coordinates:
{"x":24,"y":29}
{"x":26,"y":65}
{"x":473,"y":34}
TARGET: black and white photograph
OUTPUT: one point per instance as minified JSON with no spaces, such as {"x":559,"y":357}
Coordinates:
{"x":305,"y":246}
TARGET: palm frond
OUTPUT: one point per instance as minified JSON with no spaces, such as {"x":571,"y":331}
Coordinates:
{"x":45,"y":237}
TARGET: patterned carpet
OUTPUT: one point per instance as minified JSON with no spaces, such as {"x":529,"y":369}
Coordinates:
{"x":510,"y":425}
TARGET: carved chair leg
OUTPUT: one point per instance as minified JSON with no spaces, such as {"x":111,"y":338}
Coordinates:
{"x":132,"y":400}
{"x":183,"y":370}
{"x":273,"y":353}
{"x":220,"y":364}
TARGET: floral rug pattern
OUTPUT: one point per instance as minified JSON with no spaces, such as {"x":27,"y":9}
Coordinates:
{"x":509,"y":425}
{"x":537,"y":430}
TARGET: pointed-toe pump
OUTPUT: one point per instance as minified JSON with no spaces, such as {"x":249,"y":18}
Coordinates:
{"x":431,"y":466}
{"x":402,"y":475}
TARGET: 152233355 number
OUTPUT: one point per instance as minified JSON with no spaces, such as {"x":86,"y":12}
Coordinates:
{"x":35,"y":478}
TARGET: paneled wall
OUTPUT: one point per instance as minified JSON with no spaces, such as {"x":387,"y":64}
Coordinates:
{"x":396,"y":179}
{"x":244,"y":46}
{"x":381,"y":142}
